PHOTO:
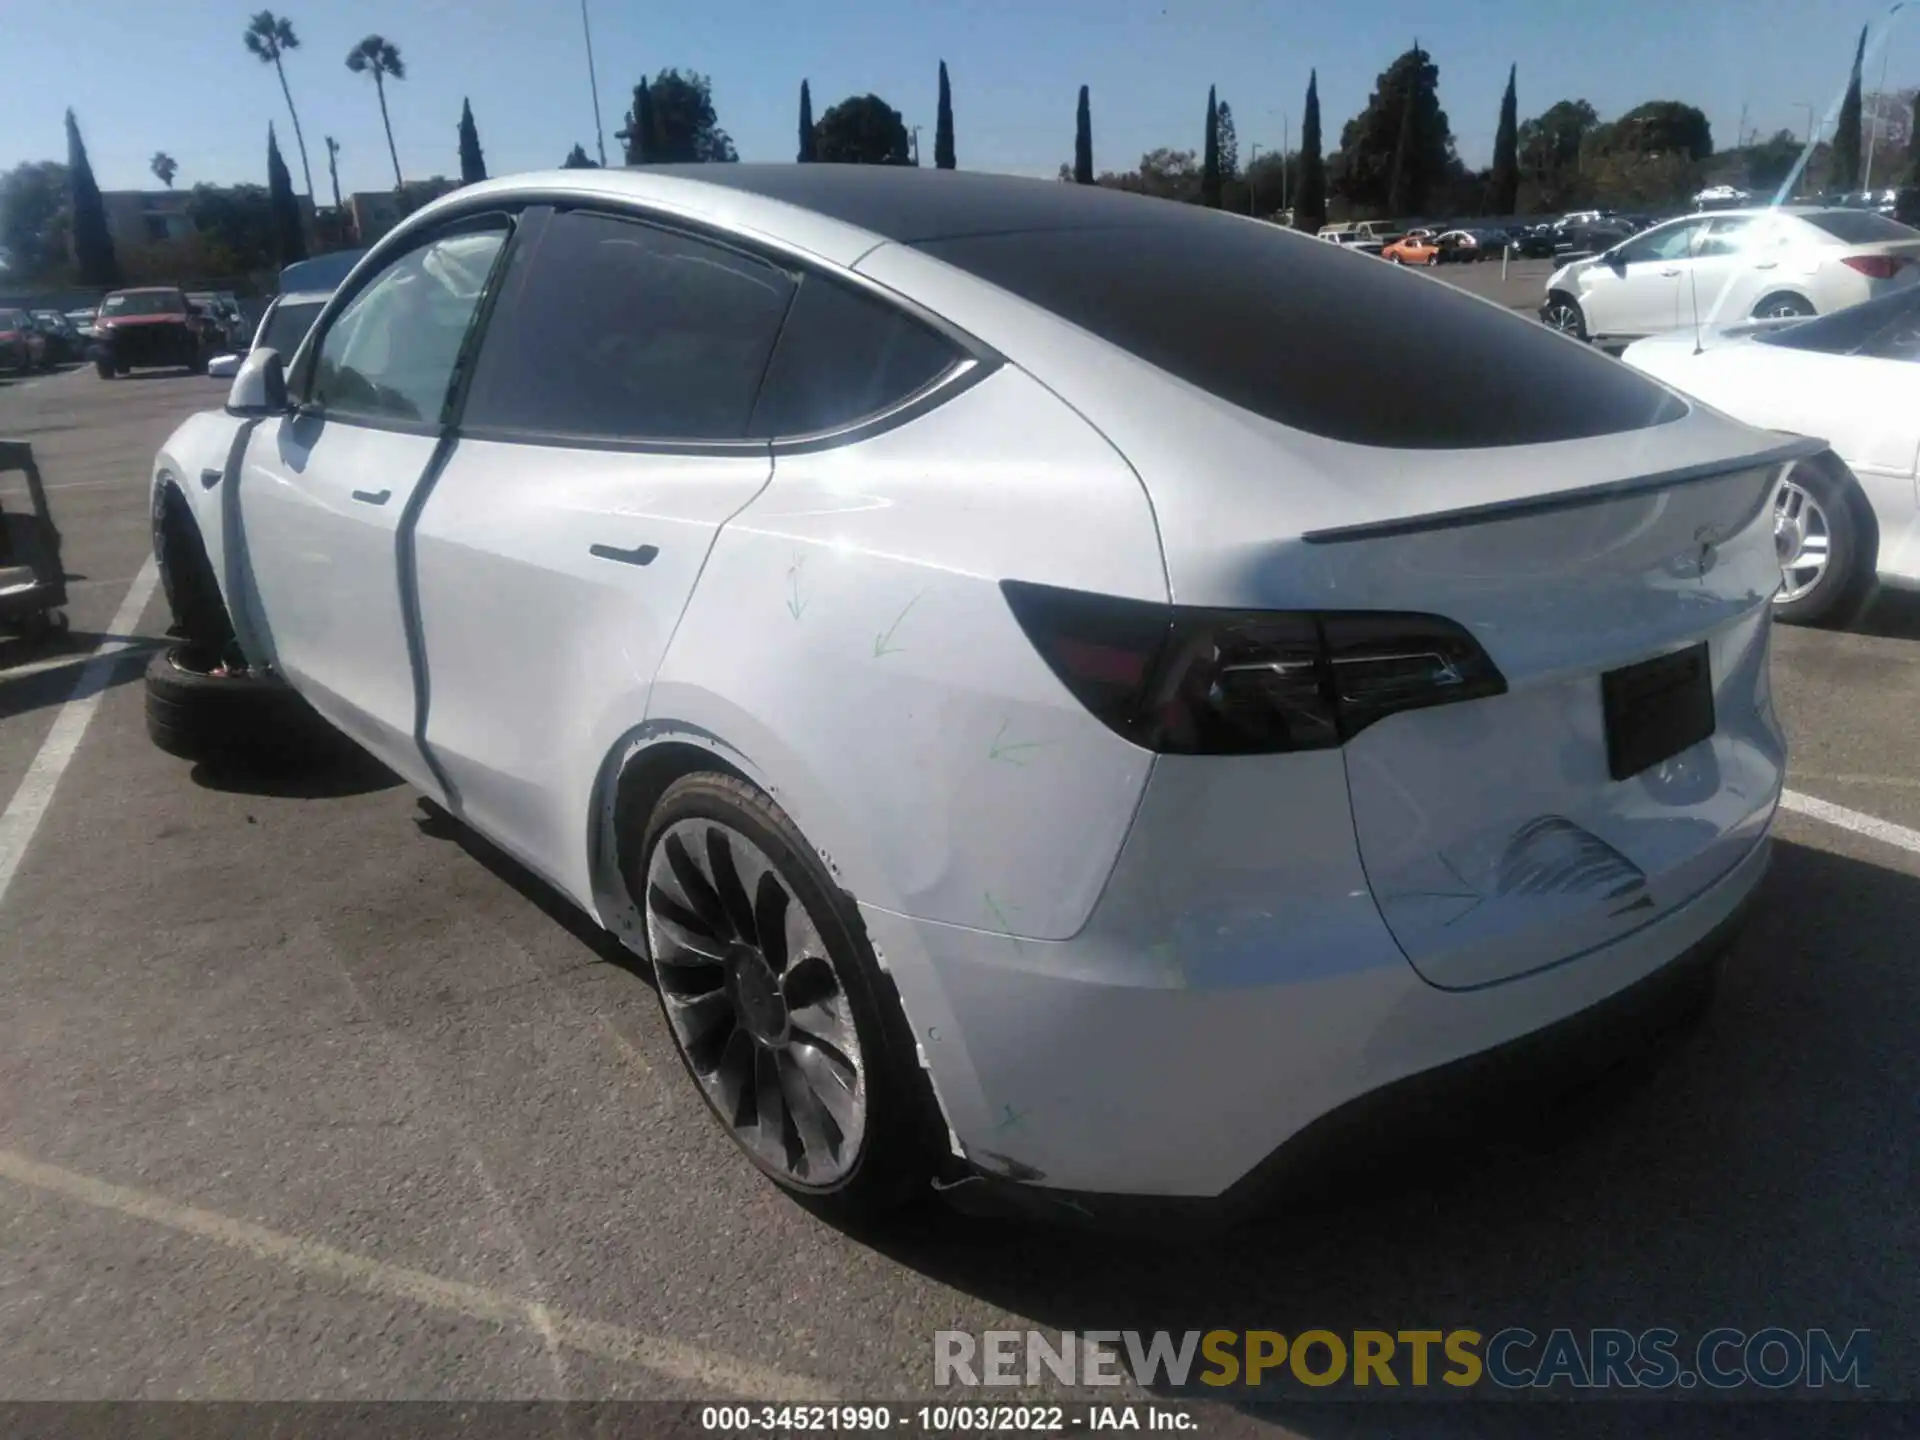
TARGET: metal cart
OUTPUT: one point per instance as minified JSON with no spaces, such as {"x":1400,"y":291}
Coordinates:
{"x":33,"y":583}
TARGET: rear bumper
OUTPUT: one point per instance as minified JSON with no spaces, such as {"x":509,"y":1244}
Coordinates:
{"x":1097,"y":1074}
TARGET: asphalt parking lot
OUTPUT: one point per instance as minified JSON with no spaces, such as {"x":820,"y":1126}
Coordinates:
{"x":310,"y":1094}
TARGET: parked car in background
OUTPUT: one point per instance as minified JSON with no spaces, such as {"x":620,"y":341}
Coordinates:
{"x":1294,"y":740}
{"x":64,"y":343}
{"x":1533,"y":242}
{"x":281,"y":330}
{"x":223,"y":308}
{"x":1348,"y":237}
{"x":23,"y":346}
{"x":155,"y":325}
{"x":1720,"y":268}
{"x":1412,"y":249}
{"x":1848,"y":519}
{"x":1462,"y":246}
{"x":82,"y":321}
{"x":1721,"y":197}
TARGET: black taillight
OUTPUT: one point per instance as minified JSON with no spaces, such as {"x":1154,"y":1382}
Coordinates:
{"x":1189,"y":681}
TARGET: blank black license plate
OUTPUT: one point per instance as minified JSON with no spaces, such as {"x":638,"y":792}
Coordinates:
{"x":1656,"y":709}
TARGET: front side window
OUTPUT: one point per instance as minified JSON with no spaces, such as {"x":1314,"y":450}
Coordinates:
{"x":844,"y":355}
{"x":613,"y":329}
{"x":1670,"y":242}
{"x":390,"y":355}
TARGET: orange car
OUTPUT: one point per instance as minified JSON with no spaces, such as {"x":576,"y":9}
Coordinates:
{"x":1412,"y":250}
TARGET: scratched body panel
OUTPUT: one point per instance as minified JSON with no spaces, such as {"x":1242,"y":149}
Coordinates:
{"x":850,"y":622}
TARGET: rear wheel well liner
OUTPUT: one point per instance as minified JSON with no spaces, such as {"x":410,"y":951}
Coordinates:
{"x":193,"y":595}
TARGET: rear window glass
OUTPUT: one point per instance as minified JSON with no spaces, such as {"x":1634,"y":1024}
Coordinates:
{"x":1317,"y":338}
{"x":1860,"y":227}
{"x":145,"y":302}
{"x":843,"y":355}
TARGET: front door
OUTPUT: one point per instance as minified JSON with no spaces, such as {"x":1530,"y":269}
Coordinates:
{"x":323,"y":490}
{"x":1639,"y":294}
{"x":601,"y":448}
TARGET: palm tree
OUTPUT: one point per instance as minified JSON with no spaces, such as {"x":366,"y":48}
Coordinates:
{"x":381,"y":57}
{"x":268,"y":37}
{"x":163,"y":167}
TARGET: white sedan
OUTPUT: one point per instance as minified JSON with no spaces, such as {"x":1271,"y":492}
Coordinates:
{"x":1718,"y":269}
{"x":1046,"y":739}
{"x":1848,"y":518}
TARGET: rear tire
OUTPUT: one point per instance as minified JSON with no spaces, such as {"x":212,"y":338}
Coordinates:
{"x":737,"y":1044}
{"x":1783,"y":306}
{"x":197,"y":713}
{"x":103,"y":368}
{"x":1823,"y":521}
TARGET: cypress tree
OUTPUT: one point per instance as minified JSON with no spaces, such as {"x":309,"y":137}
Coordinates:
{"x":806,"y":155}
{"x":943,"y":125}
{"x":473,"y":165}
{"x":289,"y":232}
{"x":1846,"y":131}
{"x":639,"y":136}
{"x":1310,"y":208}
{"x":92,"y":241}
{"x":1400,"y":184}
{"x":1083,"y":141}
{"x":1210,"y":164}
{"x":1506,"y":150}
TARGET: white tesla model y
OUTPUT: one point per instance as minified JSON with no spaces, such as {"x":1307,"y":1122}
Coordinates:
{"x":1064,"y":710}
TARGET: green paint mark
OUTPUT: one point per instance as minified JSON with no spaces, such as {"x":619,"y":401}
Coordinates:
{"x":1006,"y":925}
{"x":1011,"y":1119}
{"x":883,"y":644}
{"x":1011,"y":753}
{"x":795,"y":603}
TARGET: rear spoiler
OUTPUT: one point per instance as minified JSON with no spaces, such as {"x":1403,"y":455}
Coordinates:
{"x":1794,"y":447}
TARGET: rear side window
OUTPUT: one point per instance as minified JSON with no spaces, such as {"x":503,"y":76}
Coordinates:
{"x":844,"y":355}
{"x":613,"y":329}
{"x":1317,"y":338}
{"x":1860,"y":227}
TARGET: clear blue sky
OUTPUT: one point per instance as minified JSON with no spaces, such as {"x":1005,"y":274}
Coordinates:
{"x":173,"y":76}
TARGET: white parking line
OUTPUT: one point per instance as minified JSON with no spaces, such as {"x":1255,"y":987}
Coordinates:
{"x":671,"y":1358}
{"x":1874,"y":828}
{"x":28,"y":806}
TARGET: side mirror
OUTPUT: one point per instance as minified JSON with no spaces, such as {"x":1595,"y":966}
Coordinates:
{"x":223,"y":367}
{"x":259,"y":385}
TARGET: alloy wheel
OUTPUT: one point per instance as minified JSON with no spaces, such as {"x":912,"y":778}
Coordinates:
{"x":756,"y":1003}
{"x":1802,"y":539}
{"x":1562,"y":316}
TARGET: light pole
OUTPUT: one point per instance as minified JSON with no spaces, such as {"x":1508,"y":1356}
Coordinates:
{"x":1879,"y":100}
{"x":1253,"y":159}
{"x":593,"y":81}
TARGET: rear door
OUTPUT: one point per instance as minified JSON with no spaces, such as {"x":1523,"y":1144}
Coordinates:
{"x":602,"y":446}
{"x":323,"y":491}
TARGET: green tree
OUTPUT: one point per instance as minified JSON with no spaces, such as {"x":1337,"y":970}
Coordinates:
{"x":1766,"y":164}
{"x":1506,"y":150}
{"x":290,"y":237}
{"x":862,"y":130}
{"x":1210,"y":161}
{"x":1229,"y":142}
{"x":164,"y":168}
{"x":1913,"y":145}
{"x":268,"y":37}
{"x":638,"y":137}
{"x":473,"y":164}
{"x":673,"y":122}
{"x":34,"y":224}
{"x":577,"y":160}
{"x":806,"y":155}
{"x":943,"y":124}
{"x":1846,"y":130}
{"x":1384,"y":138}
{"x":379,"y":57}
{"x":1083,"y":140}
{"x":237,"y":225}
{"x":1663,"y":127}
{"x":1549,"y":148}
{"x":1310,"y":204}
{"x":92,"y":241}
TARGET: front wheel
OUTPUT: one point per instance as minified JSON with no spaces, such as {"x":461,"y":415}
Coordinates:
{"x":1821,"y":532}
{"x":1564,"y":315}
{"x":776,"y":1004}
